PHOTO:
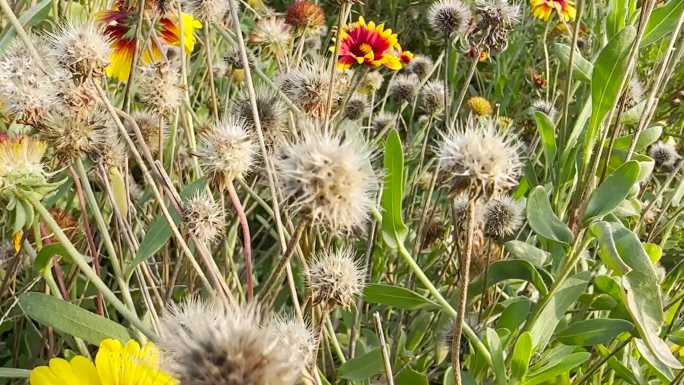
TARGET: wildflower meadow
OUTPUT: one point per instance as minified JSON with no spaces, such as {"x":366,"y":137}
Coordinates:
{"x":321,"y":192}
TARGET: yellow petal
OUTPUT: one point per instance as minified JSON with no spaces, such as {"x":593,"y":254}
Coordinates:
{"x":42,"y":375}
{"x":85,"y":370}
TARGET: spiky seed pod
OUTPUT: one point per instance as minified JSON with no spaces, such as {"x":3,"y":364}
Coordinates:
{"x":448,"y":17}
{"x":271,"y":112}
{"x":296,"y":335}
{"x":384,"y":121}
{"x":305,"y":14}
{"x":403,"y":88}
{"x":151,"y":126}
{"x":494,"y":20}
{"x":204,"y":218}
{"x":234,"y":59}
{"x":328,"y":180}
{"x":27,"y":92}
{"x":479,"y":153}
{"x":273,"y":35}
{"x":308,"y":86}
{"x":664,"y":154}
{"x":208,"y":10}
{"x":228,"y":344}
{"x":82,"y":50}
{"x":420,"y":66}
{"x":73,"y":136}
{"x":356,"y":107}
{"x":77,"y":98}
{"x":335,"y":279}
{"x":227,"y":151}
{"x":459,"y":211}
{"x":160,"y":88}
{"x":503,"y":216}
{"x":371,"y":83}
{"x":480,"y":106}
{"x":542,"y":105}
{"x":432,"y":98}
{"x":634,"y":93}
{"x":111,"y":153}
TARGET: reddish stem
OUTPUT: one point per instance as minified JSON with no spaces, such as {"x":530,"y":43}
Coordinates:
{"x":246,"y":238}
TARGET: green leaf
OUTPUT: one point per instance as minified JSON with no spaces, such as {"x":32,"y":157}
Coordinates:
{"x":593,"y":331}
{"x":618,"y":12}
{"x":394,"y":229}
{"x":14,"y":373}
{"x":662,"y":22}
{"x":363,"y":367}
{"x":71,"y":319}
{"x":45,"y":255}
{"x":565,"y":365}
{"x":395,"y":296}
{"x":612,"y":191}
{"x":465,"y":376}
{"x":555,"y":309}
{"x":543,"y":220}
{"x":527,"y":252}
{"x":581,"y":69}
{"x":31,"y":17}
{"x":514,"y":315}
{"x":119,"y":190}
{"x":409,"y":376}
{"x":522,"y":353}
{"x":508,"y":269}
{"x":496,"y":350}
{"x":647,"y":137}
{"x":607,"y":250}
{"x":547,"y":133}
{"x":653,"y":360}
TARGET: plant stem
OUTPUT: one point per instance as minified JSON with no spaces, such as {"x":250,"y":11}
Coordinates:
{"x":383,"y":345}
{"x":246,"y":239}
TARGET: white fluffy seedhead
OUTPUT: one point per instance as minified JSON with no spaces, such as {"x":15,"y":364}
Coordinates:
{"x":432,"y":97}
{"x":403,"y":88}
{"x":328,"y":180}
{"x":214,"y":343}
{"x":541,"y":105}
{"x":160,"y":88}
{"x":336,"y":279}
{"x":308,"y":86}
{"x":420,"y":66}
{"x":503,"y":216}
{"x":208,"y":10}
{"x":664,"y":154}
{"x":73,"y":135}
{"x":204,"y":217}
{"x":82,"y":50}
{"x":479,"y":153}
{"x":227,"y":151}
{"x":447,"y":17}
{"x":271,"y":110}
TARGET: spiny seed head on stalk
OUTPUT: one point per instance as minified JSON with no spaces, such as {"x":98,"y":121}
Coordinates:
{"x":234,"y":59}
{"x":371,"y":83}
{"x":204,"y":217}
{"x":494,"y":20}
{"x":77,"y":98}
{"x":335,"y":279}
{"x":227,"y":151}
{"x":503,"y":216}
{"x":73,"y":136}
{"x":403,"y":88}
{"x":384,"y":121}
{"x":296,"y":335}
{"x":229,"y":344}
{"x":111,"y":153}
{"x":328,"y":180}
{"x":305,"y":14}
{"x":478,"y":153}
{"x":151,"y":126}
{"x":449,"y":16}
{"x":480,"y":106}
{"x":208,"y":10}
{"x":420,"y":66}
{"x":459,"y":211}
{"x":308,"y":87}
{"x":82,"y":50}
{"x":664,"y":154}
{"x":356,"y":107}
{"x":271,"y":112}
{"x":273,"y":35}
{"x":432,"y":97}
{"x":27,"y":92}
{"x":541,"y":105}
{"x":160,"y":88}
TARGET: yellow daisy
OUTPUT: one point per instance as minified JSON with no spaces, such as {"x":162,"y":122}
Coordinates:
{"x":542,"y":9}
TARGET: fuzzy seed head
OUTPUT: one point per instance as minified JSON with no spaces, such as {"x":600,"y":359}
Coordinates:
{"x":479,"y":153}
{"x":160,"y":88}
{"x":271,"y":112}
{"x":403,"y":88}
{"x":73,"y":136}
{"x":305,"y":14}
{"x":208,"y":10}
{"x":111,"y":153}
{"x":204,"y":218}
{"x":503,"y":216}
{"x":151,"y":127}
{"x":384,"y":121}
{"x":432,"y":97}
{"x":77,"y":98}
{"x":227,"y":151}
{"x":664,"y":154}
{"x":371,"y":83}
{"x":234,"y":59}
{"x":480,"y":106}
{"x":296,"y":335}
{"x":447,"y":17}
{"x":308,"y":86}
{"x":421,"y":66}
{"x":273,"y":35}
{"x":327,"y":179}
{"x":82,"y":50}
{"x":494,"y":21}
{"x":229,"y":344}
{"x":635,"y":92}
{"x":336,"y":278}
{"x":541,"y":105}
{"x":356,"y":107}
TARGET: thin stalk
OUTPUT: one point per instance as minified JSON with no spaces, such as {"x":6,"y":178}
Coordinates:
{"x":136,"y":55}
{"x":7,"y":10}
{"x":273,"y":281}
{"x":210,"y":71}
{"x":341,"y":20}
{"x":246,"y":239}
{"x":568,"y":87}
{"x":383,"y":346}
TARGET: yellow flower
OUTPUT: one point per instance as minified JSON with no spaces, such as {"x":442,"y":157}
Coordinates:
{"x":115,"y":364}
{"x":542,"y":9}
{"x":678,"y":350}
{"x":480,"y":106}
{"x":369,"y":44}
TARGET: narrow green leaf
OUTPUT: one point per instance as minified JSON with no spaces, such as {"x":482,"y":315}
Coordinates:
{"x":119,"y":191}
{"x":45,"y":256}
{"x":547,"y":133}
{"x":465,"y":376}
{"x":647,"y":137}
{"x":662,"y":22}
{"x":653,"y":360}
{"x":394,"y":229}
{"x":514,"y":315}
{"x":527,"y":252}
{"x":581,"y":69}
{"x":593,"y":331}
{"x":496,"y":351}
{"x":71,"y":319}
{"x":612,"y":191}
{"x":363,"y":367}
{"x":14,"y":373}
{"x":543,"y":220}
{"x":31,"y":17}
{"x":564,"y":366}
{"x":505,"y":270}
{"x":522,"y":353}
{"x":607,"y":250}
{"x":395,"y":296}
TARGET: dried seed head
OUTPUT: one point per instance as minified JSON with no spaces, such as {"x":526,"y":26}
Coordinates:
{"x":296,"y":335}
{"x":384,"y":121}
{"x":26,"y":92}
{"x":111,"y":153}
{"x":208,"y":10}
{"x":271,"y":112}
{"x":664,"y":154}
{"x":328,"y":180}
{"x":420,"y":66}
{"x":227,"y":151}
{"x":371,"y":83}
{"x":73,"y":136}
{"x":77,"y":98}
{"x":308,"y":87}
{"x":305,"y":14}
{"x":82,"y":50}
{"x":503,"y":216}
{"x":541,"y":105}
{"x":449,"y":16}
{"x":403,"y":88}
{"x":494,"y":20}
{"x":230,"y":344}
{"x":151,"y":127}
{"x":335,"y":279}
{"x":234,"y":59}
{"x":272,"y":34}
{"x":479,"y":153}
{"x":160,"y":88}
{"x":635,"y":92}
{"x":432,"y":98}
{"x":459,"y":211}
{"x":204,"y":218}
{"x":356,"y":107}
{"x":480,"y":106}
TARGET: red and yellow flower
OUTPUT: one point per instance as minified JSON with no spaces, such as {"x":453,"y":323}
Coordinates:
{"x":372,"y":45}
{"x":119,"y":26}
{"x":542,"y":9}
